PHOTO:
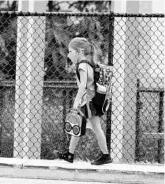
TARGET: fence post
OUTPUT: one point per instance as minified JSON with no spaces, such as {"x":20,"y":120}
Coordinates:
{"x":118,"y":82}
{"x":1,"y":109}
{"x":110,"y":63}
{"x":134,"y":52}
{"x":130,"y":80}
{"x":29,"y":80}
{"x":0,"y":139}
{"x":160,"y":127}
{"x":137,"y":123}
{"x":126,"y":62}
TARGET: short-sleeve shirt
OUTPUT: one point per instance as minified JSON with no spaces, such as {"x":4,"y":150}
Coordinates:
{"x":90,"y":90}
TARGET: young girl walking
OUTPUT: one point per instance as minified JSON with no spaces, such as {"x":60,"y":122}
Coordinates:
{"x":81,"y":49}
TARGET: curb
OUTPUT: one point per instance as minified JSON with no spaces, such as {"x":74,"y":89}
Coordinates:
{"x":81,"y":171}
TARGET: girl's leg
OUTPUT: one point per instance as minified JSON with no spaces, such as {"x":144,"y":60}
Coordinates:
{"x":73,"y":143}
{"x":105,"y":157}
{"x":69,"y":156}
{"x":96,"y":126}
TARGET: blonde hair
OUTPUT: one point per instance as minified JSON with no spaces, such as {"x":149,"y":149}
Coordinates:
{"x":88,"y":48}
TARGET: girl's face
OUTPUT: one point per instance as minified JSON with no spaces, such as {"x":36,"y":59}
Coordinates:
{"x":73,"y":55}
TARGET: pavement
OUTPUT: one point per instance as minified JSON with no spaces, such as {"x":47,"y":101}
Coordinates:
{"x":39,"y":181}
{"x":39,"y":171}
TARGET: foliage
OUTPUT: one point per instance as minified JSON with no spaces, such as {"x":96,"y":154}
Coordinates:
{"x":8,"y":5}
{"x":7,"y":40}
{"x":53,"y":136}
{"x":7,"y":46}
{"x":59,"y":31}
{"x":81,"y":6}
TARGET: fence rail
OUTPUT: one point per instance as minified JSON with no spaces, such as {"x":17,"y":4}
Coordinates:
{"x":36,"y":91}
{"x":88,"y":14}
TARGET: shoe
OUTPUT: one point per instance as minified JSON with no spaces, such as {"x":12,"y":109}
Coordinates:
{"x":66,"y":156}
{"x":104,"y":159}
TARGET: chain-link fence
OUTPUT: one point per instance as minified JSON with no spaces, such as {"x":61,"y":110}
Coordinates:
{"x":149,"y":124}
{"x":36,"y":92}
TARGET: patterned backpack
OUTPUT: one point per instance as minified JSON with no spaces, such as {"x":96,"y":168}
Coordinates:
{"x":103,"y":84}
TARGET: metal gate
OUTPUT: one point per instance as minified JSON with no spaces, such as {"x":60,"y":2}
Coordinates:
{"x":149,"y":125}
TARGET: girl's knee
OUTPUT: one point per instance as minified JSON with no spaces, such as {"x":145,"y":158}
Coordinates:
{"x":95,"y":122}
{"x":94,"y":119}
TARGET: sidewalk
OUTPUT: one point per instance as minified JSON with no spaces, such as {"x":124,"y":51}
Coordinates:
{"x":41,"y":181}
{"x":81,"y":171}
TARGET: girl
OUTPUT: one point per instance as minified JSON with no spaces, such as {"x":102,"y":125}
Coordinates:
{"x":81,"y":49}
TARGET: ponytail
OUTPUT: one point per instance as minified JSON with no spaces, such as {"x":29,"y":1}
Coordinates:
{"x":93,"y":54}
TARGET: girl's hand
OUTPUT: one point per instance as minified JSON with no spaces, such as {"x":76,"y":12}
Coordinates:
{"x":75,"y":105}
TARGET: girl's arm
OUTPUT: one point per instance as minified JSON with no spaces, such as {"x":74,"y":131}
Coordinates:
{"x":81,"y":89}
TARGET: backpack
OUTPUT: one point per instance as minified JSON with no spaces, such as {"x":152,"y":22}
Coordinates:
{"x":103,"y":85}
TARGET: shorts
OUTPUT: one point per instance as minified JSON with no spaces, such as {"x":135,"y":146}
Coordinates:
{"x":92,"y":109}
{"x":88,"y":110}
{"x":98,"y":102}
